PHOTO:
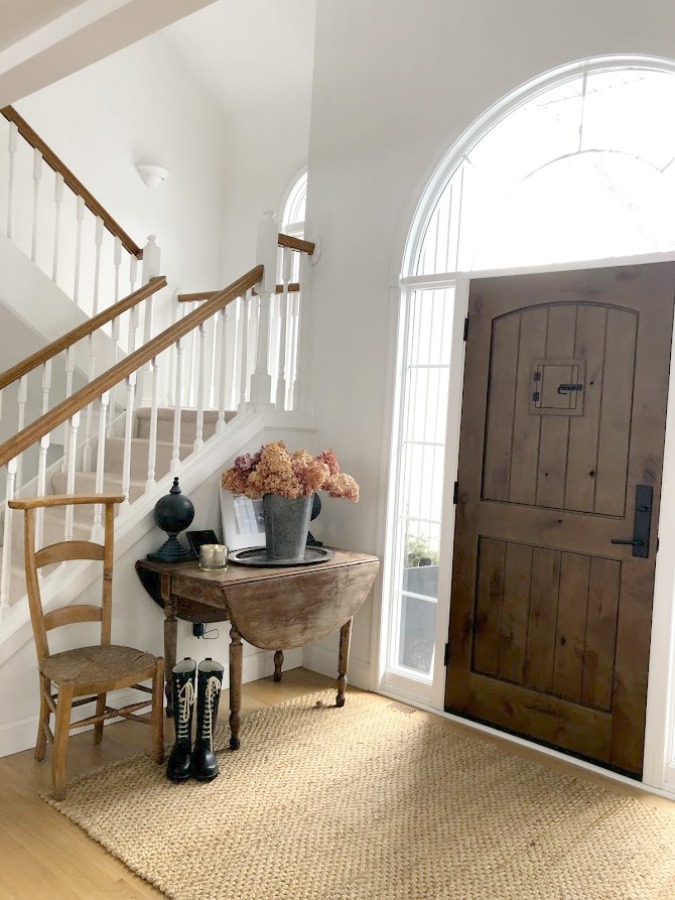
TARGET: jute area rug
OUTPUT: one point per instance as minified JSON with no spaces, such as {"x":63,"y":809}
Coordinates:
{"x":372,"y":802}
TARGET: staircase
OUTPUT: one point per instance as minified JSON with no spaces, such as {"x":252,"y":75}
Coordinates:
{"x":181,"y":402}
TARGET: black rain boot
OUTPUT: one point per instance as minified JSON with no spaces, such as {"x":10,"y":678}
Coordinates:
{"x":183,"y":697}
{"x":209,"y":682}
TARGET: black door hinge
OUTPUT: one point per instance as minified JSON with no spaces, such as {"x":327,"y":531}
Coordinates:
{"x":466,"y":328}
{"x":455,"y":493}
{"x":446,"y":655}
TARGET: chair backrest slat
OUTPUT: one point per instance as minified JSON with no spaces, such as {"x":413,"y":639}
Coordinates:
{"x":69,"y":615}
{"x":66,"y":550}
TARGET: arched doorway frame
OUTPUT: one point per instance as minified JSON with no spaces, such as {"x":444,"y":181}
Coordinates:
{"x":659,"y":763}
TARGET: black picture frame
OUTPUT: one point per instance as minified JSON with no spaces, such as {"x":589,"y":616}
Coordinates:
{"x":197,"y":539}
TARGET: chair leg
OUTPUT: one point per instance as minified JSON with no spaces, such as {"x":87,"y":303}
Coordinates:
{"x":64,"y":705}
{"x":157,"y":716}
{"x":100,"y":709}
{"x":43,"y":719}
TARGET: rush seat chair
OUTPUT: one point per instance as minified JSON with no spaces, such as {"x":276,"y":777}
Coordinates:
{"x":83,"y":675}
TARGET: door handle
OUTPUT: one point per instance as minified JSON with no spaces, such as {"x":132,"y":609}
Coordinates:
{"x":642,"y":522}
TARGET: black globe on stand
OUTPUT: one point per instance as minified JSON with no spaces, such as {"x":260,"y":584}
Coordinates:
{"x":173,"y":513}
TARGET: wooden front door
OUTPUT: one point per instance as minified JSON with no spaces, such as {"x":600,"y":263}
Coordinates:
{"x":563,"y":422}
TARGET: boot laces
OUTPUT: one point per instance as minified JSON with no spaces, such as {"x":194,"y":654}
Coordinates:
{"x":210,"y":696}
{"x":186,"y":698}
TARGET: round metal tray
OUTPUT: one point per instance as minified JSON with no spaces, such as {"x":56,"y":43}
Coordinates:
{"x":257,"y":556}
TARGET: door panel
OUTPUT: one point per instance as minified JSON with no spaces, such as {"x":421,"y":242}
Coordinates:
{"x":563,"y":415}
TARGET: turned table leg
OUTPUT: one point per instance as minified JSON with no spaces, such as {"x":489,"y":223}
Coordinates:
{"x":236,"y":653}
{"x":170,"y":632}
{"x":278,"y":663}
{"x":343,"y":662}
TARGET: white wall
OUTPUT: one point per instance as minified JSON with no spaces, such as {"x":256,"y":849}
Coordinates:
{"x":143,"y":105}
{"x":396,"y":82}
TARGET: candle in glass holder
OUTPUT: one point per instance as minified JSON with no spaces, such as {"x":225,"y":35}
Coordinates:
{"x":213,"y":556}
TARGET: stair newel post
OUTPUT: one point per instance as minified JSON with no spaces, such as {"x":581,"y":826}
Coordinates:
{"x":13,"y":139}
{"x":117,"y":263}
{"x":201,"y":387}
{"x":98,"y":241}
{"x":286,"y":266}
{"x":86,"y":457}
{"x":7,"y":536}
{"x":97,"y":531}
{"x":211,"y":401}
{"x":37,"y":176}
{"x":235,"y":349}
{"x":58,"y":199}
{"x":70,"y":475}
{"x":294,"y":302}
{"x":245,"y":303}
{"x":78,"y":249}
{"x":221,"y":357}
{"x":266,"y":255}
{"x":178,"y":405}
{"x":128,"y":434}
{"x":41,"y":487}
{"x":152,"y":441}
{"x":301,"y":399}
{"x":193,"y":363}
{"x":22,"y":400}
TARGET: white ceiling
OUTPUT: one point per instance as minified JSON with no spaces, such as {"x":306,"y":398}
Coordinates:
{"x":248,"y":53}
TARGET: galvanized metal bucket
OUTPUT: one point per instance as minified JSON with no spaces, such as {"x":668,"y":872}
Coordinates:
{"x":286,"y":526}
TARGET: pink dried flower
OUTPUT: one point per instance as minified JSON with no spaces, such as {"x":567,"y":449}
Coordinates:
{"x":273,"y":470}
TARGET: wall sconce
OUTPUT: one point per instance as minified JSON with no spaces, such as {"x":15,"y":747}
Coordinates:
{"x":152,"y":175}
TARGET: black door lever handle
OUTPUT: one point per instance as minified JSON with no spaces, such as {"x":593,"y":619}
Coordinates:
{"x":641,"y":522}
{"x":629,"y":543}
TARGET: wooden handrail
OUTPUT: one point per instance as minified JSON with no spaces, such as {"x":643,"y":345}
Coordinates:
{"x":293,"y":243}
{"x":73,"y":183}
{"x":132,"y":363}
{"x":293,"y":287}
{"x":81,"y":331}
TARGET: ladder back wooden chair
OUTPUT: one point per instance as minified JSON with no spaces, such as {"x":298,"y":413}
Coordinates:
{"x":85,"y":674}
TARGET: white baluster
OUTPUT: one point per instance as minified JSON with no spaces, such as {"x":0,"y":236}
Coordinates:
{"x":22,"y":399}
{"x":97,"y":528}
{"x":78,"y":249}
{"x":133,"y":272}
{"x":301,"y":398}
{"x":70,"y":367}
{"x":128,"y":430}
{"x":213,"y":360}
{"x":152,"y":440}
{"x":7,"y":536}
{"x":98,"y":241}
{"x":286,"y":265}
{"x":70,"y":475}
{"x":13,"y":137}
{"x":133,"y":329}
{"x":222,"y":320}
{"x":147,"y":376}
{"x":175,"y":452}
{"x":199,"y":431}
{"x":37,"y":175}
{"x":245,"y":301}
{"x":117,"y":261}
{"x":58,"y":197}
{"x":41,"y":488}
{"x":86,"y":457}
{"x":46,"y":384}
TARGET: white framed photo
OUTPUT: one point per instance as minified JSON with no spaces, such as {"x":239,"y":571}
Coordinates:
{"x":243,"y":524}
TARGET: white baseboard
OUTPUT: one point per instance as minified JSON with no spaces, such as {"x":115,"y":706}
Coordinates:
{"x":20,"y":735}
{"x":325,"y":662}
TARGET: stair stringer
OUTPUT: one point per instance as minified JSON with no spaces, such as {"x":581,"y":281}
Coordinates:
{"x":137,"y":521}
